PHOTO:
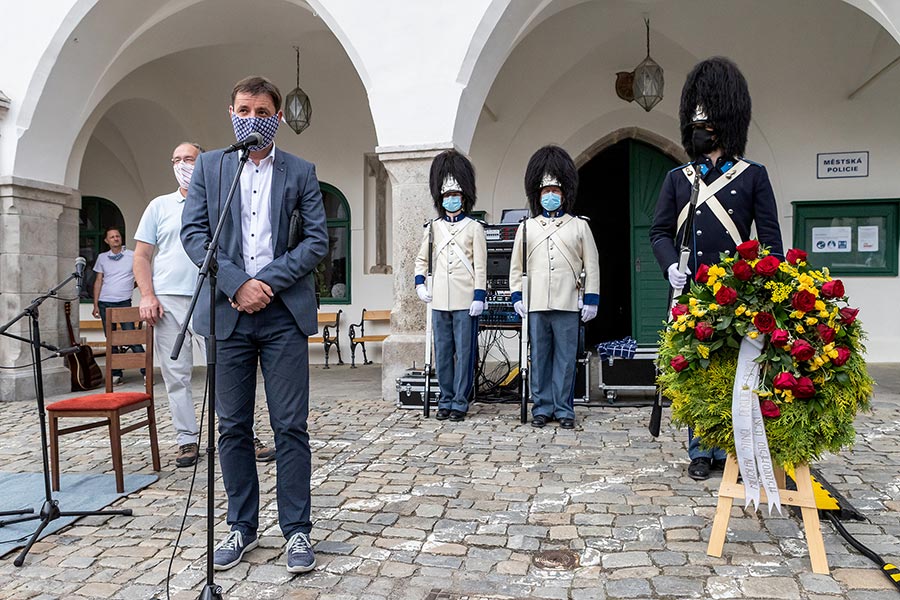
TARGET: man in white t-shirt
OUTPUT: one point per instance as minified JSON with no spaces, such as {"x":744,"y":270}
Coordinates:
{"x":114,"y":285}
{"x":167,"y":283}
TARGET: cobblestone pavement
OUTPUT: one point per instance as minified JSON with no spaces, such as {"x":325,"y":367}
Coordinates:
{"x":412,"y":509}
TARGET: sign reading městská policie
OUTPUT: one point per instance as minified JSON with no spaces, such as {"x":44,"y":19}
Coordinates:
{"x":833,"y":165}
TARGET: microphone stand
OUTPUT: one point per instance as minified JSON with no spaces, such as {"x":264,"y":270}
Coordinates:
{"x":209,"y":269}
{"x":50,"y":509}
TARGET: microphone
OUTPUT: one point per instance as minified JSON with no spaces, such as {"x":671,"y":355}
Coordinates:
{"x":80,"y":263}
{"x":253,"y":139}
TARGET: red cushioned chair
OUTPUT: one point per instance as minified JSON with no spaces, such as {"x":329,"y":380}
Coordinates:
{"x":112,"y":405}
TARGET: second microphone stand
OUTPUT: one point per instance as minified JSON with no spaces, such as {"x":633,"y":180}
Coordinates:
{"x":50,"y":508}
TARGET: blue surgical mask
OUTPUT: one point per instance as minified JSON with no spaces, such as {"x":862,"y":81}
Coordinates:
{"x":551,"y":201}
{"x":452,"y":203}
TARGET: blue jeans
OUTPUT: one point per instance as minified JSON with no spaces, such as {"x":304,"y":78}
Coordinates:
{"x":696,"y":451}
{"x":554,"y":350}
{"x":272,"y":339}
{"x":102,"y":306}
{"x":455,"y":347}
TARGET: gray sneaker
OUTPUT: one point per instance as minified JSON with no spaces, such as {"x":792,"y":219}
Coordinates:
{"x":231,"y":550}
{"x":299,"y":554}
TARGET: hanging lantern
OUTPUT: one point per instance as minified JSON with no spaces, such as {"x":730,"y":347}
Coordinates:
{"x":648,"y":79}
{"x":297,"y":108}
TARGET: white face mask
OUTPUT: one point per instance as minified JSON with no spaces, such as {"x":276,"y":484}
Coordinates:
{"x":183,"y":172}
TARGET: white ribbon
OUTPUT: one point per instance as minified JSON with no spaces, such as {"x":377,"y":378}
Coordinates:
{"x":750,"y":442}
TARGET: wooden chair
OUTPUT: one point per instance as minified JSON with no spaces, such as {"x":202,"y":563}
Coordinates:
{"x":362,"y":338}
{"x":328,"y":321}
{"x":110,"y":406}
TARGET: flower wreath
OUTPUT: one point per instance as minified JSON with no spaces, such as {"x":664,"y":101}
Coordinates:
{"x":813,"y":378}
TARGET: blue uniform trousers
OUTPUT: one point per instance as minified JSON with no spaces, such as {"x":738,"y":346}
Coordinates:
{"x":554,"y":349}
{"x":271,"y":339}
{"x":455,"y":348}
{"x":696,"y":451}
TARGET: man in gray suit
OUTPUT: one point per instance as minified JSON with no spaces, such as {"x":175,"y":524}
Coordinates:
{"x":265,"y":310}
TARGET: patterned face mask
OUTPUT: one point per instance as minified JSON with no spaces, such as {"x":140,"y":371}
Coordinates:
{"x":266,"y":127}
{"x":183,"y":172}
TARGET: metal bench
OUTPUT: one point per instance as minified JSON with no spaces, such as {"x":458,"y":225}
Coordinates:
{"x":330,"y":321}
{"x":360,"y":338}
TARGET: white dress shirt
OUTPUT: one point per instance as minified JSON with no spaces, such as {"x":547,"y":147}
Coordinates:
{"x":256,"y":214}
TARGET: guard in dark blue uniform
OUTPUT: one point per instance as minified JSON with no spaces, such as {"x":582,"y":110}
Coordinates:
{"x":735,"y":193}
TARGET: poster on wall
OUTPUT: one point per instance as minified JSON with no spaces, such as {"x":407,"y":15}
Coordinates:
{"x":867,"y":238}
{"x":831,"y":239}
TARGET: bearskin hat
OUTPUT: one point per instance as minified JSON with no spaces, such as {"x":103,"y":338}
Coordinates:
{"x":556,"y":162}
{"x":718,"y":87}
{"x":451,"y":163}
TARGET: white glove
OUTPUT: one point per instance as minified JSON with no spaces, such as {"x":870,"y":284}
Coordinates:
{"x":476,"y":309}
{"x":588,"y":312}
{"x":422,"y":291}
{"x":676,"y":279}
{"x":520,"y":309}
{"x":580,"y":303}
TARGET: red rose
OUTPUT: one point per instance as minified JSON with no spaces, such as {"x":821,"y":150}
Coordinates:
{"x":848,"y":315}
{"x":795,"y":256}
{"x":780,"y":337}
{"x":769,"y":409}
{"x":825,"y":332}
{"x":742,"y":270}
{"x":679,"y":363}
{"x":768,"y":266}
{"x":702,"y":274}
{"x":679,"y":309}
{"x":803,"y":301}
{"x":703,"y":331}
{"x":802,"y":350}
{"x":749,"y":250}
{"x":842,"y":357}
{"x":764,"y":322}
{"x":804,"y":388}
{"x":833,"y":289}
{"x":726,"y":295}
{"x":784,"y":381}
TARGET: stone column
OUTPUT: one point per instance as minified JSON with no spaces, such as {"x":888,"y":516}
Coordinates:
{"x":38,"y":246}
{"x":412,"y":206}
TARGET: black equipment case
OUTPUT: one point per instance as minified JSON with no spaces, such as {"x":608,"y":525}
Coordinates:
{"x":411,"y":389}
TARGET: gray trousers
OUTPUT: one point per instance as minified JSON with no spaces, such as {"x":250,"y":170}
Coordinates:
{"x":176,"y":374}
{"x":554,"y":349}
{"x":455,"y":348}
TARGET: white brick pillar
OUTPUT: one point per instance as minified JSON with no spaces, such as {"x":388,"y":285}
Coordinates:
{"x":412,"y":206}
{"x":38,"y":246}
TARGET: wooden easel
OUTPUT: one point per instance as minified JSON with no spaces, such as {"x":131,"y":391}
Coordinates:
{"x":803,"y":497}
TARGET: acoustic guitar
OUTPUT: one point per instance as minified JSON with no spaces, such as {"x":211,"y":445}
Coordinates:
{"x":86,"y":374}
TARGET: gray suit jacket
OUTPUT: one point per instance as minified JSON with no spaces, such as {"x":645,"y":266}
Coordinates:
{"x":290,"y":274}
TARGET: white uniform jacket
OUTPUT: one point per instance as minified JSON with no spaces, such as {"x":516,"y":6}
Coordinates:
{"x":558,"y":249}
{"x":459,"y":263}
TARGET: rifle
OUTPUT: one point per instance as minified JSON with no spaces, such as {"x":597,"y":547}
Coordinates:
{"x":523,"y":338}
{"x":429,"y":281}
{"x":684,"y":256}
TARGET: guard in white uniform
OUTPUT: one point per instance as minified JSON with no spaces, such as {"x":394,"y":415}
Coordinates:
{"x":560,"y":247}
{"x":459,"y":268}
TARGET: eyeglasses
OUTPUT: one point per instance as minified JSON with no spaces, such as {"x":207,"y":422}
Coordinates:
{"x":188,"y":159}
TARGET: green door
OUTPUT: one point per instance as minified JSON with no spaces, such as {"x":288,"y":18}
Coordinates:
{"x":647,"y":169}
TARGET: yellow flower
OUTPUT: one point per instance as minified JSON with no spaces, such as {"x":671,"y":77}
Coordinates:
{"x":692,"y":323}
{"x":697,"y":312}
{"x":681,"y":319}
{"x":703,"y":351}
{"x":811,"y":320}
{"x":788,"y":396}
{"x":797,"y":314}
{"x":832,"y":353}
{"x":693,"y":302}
{"x":820,"y":305}
{"x":681,"y":328}
{"x":799,"y":329}
{"x":740,"y":310}
{"x":713,"y":307}
{"x":717,"y":287}
{"x":753,"y":335}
